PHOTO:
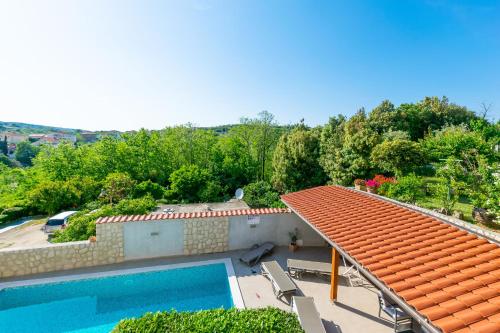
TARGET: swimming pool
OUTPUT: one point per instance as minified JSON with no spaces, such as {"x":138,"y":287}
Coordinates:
{"x":97,"y":304}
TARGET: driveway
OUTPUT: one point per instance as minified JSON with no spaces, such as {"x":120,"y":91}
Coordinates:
{"x":26,"y":235}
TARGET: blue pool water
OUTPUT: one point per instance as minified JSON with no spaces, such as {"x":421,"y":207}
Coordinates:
{"x":96,"y":305}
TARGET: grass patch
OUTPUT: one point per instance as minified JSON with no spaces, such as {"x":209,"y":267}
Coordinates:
{"x":462,"y":206}
{"x":221,"y":321}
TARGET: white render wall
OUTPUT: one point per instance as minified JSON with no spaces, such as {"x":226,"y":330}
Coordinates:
{"x":153,"y":239}
{"x":271,"y":228}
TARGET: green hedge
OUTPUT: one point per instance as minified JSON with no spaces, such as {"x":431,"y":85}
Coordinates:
{"x":208,"y":321}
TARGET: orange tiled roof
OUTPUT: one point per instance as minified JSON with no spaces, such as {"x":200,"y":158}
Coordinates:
{"x":447,"y":274}
{"x":192,"y":215}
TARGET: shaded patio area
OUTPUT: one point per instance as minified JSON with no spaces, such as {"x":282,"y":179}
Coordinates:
{"x":356,"y":309}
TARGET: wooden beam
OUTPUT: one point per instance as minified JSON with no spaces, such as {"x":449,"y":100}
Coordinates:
{"x":335,"y":275}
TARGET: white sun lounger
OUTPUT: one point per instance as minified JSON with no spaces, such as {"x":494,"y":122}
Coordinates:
{"x":256,"y":252}
{"x":308,"y":314}
{"x":297,"y":267}
{"x":281,"y":282}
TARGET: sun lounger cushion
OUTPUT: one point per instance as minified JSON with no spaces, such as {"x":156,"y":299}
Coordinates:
{"x":308,"y":314}
{"x":297,"y":267}
{"x":254,"y":255}
{"x":282,"y":283}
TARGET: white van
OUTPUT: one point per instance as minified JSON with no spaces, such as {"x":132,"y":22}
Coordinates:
{"x":58,"y":221}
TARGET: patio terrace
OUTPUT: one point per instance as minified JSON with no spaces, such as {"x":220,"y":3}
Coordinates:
{"x":356,"y":309}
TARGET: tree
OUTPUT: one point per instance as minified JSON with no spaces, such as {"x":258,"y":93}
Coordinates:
{"x":25,"y":152}
{"x":296,"y":161}
{"x":117,"y":186}
{"x":346,"y":147}
{"x":398,"y":156}
{"x":261,"y":194}
{"x":451,"y":184}
{"x":52,"y":196}
{"x":187,"y":183}
{"x":263,"y":135}
{"x":148,"y":188}
{"x":383,"y":117}
{"x":455,"y":141}
{"x":4,"y":148}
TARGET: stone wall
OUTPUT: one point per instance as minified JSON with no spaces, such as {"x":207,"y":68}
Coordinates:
{"x":206,"y":235}
{"x":107,"y":249}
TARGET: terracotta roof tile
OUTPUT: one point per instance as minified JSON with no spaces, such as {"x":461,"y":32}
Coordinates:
{"x":449,"y":275}
{"x":155,"y":217}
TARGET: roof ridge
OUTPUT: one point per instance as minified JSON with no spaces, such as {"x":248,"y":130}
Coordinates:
{"x":192,"y":215}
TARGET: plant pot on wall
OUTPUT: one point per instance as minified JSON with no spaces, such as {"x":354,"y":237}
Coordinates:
{"x":360,"y":187}
{"x":372,"y":190}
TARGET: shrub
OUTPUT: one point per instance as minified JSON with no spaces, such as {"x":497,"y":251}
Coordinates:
{"x":135,"y":206}
{"x":372,"y":183}
{"x":187,"y":183}
{"x":261,"y":194}
{"x":52,"y":196}
{"x":81,"y":226}
{"x":381,"y":179}
{"x":407,"y":189}
{"x":3,"y":218}
{"x":14,"y":213}
{"x":398,"y":156}
{"x":208,"y":321}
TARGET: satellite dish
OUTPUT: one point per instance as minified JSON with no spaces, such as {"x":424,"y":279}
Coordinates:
{"x":239,"y":194}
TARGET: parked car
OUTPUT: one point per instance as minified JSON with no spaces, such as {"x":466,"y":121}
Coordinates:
{"x":58,"y":221}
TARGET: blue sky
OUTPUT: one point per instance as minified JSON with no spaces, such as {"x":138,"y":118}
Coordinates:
{"x":130,"y":64}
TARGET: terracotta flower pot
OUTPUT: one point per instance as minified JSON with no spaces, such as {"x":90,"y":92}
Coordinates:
{"x":372,"y":190}
{"x":360,"y":187}
{"x":293,"y":247}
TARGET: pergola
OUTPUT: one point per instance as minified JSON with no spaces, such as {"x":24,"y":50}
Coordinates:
{"x":446,"y":278}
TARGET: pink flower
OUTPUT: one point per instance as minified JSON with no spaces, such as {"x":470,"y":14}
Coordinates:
{"x":372,"y":183}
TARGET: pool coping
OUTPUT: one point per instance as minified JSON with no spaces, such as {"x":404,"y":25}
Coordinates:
{"x":233,"y":281}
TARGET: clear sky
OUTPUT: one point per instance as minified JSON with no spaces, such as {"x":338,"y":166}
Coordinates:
{"x":130,"y":64}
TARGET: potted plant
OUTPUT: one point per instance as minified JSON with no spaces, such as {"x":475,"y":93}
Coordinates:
{"x":294,"y":235}
{"x":371,"y":186}
{"x":360,"y":184}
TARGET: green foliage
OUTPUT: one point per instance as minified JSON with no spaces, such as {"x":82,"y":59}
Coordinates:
{"x":208,"y":321}
{"x":25,"y":152}
{"x":3,"y":146}
{"x":296,"y":161}
{"x":117,"y":186}
{"x":261,"y":194}
{"x":5,"y":160}
{"x":148,"y":188}
{"x":346,"y":147}
{"x":187,"y":182}
{"x":14,"y":213}
{"x":52,"y":196}
{"x":398,"y":156}
{"x":451,"y":184}
{"x":455,"y":141}
{"x":135,"y":206}
{"x":407,"y":189}
{"x":82,"y":225}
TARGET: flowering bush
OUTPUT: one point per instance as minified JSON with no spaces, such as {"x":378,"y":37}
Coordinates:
{"x":360,"y":182}
{"x":381,"y":179}
{"x":372,"y":183}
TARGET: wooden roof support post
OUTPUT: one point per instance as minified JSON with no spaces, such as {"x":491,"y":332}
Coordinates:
{"x":335,"y":275}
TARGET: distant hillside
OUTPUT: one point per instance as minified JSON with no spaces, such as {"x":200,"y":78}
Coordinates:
{"x":23,"y":128}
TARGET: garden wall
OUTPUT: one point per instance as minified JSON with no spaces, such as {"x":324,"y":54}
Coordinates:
{"x":149,"y":236}
{"x":108,"y":249}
